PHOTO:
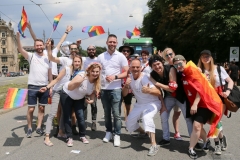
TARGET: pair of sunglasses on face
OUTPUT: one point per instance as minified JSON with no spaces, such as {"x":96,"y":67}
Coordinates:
{"x":178,"y":65}
{"x":169,"y":54}
{"x":126,"y":51}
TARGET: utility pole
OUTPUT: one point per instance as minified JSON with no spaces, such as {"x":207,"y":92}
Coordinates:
{"x":44,"y":36}
{"x":108,"y":31}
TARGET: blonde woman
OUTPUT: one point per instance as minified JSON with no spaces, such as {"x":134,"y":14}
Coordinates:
{"x":207,"y":66}
{"x":83,"y":87}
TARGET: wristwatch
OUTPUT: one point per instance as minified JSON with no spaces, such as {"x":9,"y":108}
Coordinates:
{"x":116,"y":77}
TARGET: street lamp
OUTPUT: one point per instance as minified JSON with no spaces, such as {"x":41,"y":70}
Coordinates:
{"x":130,"y":15}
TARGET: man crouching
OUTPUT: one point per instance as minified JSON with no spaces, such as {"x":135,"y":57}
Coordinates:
{"x":147,"y":105}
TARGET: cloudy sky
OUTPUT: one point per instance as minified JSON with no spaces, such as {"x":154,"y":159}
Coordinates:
{"x":111,"y":14}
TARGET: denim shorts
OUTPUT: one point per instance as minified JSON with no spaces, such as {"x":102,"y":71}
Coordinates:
{"x":34,"y":95}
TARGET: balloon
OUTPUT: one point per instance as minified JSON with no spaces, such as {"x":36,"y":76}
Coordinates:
{"x":64,"y":49}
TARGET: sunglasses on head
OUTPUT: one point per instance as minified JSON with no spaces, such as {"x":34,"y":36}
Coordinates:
{"x":169,"y":54}
{"x":126,"y":51}
{"x":73,"y":49}
{"x":177,"y":65}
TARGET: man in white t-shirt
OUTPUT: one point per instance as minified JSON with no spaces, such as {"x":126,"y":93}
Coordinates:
{"x":144,"y":63}
{"x":91,"y":50}
{"x":114,"y":68}
{"x":147,"y":105}
{"x":39,"y":76}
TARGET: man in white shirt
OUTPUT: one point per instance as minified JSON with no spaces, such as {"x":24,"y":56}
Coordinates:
{"x":147,"y":105}
{"x":91,"y":50}
{"x":144,"y":63}
{"x":113,"y":63}
{"x":39,"y":76}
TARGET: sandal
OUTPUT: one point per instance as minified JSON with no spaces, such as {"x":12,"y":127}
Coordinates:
{"x":48,"y":143}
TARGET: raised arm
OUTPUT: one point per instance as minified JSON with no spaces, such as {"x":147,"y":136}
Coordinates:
{"x":49,"y":51}
{"x":20,"y":48}
{"x":68,"y":29}
{"x":31,"y":31}
{"x":75,"y":82}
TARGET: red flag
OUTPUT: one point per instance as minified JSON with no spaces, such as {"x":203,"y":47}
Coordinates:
{"x":136,"y":32}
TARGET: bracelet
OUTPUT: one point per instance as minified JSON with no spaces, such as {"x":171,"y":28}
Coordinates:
{"x":229,"y":89}
{"x":66,"y":32}
{"x":47,"y":88}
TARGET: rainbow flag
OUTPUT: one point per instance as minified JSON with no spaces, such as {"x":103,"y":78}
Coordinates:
{"x":129,"y":34}
{"x":15,"y":98}
{"x":56,"y":21}
{"x":23,"y":23}
{"x":93,"y":30}
{"x":217,"y":130}
{"x":136,"y":32}
{"x":207,"y":93}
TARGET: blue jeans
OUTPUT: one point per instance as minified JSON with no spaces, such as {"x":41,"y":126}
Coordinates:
{"x":78,"y":105}
{"x":111,"y":100}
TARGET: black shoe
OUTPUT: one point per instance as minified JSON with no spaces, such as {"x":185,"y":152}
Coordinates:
{"x":39,"y":131}
{"x":192,"y":154}
{"x":198,"y":147}
{"x":94,"y":126}
{"x":74,"y":130}
{"x":56,"y":133}
{"x":164,"y":142}
{"x":206,"y":146}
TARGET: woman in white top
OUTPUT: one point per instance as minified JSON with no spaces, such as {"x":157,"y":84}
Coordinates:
{"x":63,"y":77}
{"x":207,"y":66}
{"x":83,"y":87}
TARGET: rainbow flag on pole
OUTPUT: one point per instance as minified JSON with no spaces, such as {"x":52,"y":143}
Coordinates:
{"x":136,"y":32}
{"x":56,"y":21}
{"x":129,"y":34}
{"x":15,"y":98}
{"x":23,"y":23}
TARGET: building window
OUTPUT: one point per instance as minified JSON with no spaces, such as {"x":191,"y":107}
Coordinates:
{"x":4,"y":59}
{"x":4,"y":50}
{"x":3,"y":34}
{"x":3,"y":42}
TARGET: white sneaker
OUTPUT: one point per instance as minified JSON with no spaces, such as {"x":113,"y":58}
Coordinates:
{"x":107,"y":137}
{"x":116,"y":141}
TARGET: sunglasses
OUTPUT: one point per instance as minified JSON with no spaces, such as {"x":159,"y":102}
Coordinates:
{"x":73,"y":49}
{"x":205,"y":57}
{"x":91,"y":49}
{"x":126,"y":51}
{"x":170,"y":54}
{"x":178,"y":65}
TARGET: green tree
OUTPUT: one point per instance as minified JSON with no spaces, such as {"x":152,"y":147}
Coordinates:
{"x":100,"y":50}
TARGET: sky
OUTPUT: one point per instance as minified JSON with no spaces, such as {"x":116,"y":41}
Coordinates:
{"x":110,"y":14}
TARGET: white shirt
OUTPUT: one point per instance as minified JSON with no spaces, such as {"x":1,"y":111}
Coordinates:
{"x":65,"y":79}
{"x":146,"y":68}
{"x":54,"y":65}
{"x":111,"y":65}
{"x":65,"y":61}
{"x":86,"y":88}
{"x":224,"y":76}
{"x":87,"y":61}
{"x":136,"y":86}
{"x":39,"y":66}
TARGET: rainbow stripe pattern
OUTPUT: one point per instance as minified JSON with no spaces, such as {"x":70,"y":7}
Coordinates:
{"x":136,"y":32}
{"x":56,"y":21}
{"x":23,"y":23}
{"x":15,"y":98}
{"x":93,"y":30}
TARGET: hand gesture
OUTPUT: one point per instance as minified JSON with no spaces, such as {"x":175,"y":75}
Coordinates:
{"x":110,"y":78}
{"x":78,"y":42}
{"x":69,"y":29}
{"x":43,"y":89}
{"x":145,"y":89}
{"x":48,"y":44}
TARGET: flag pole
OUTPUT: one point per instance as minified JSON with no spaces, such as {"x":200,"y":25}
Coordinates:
{"x":50,"y":35}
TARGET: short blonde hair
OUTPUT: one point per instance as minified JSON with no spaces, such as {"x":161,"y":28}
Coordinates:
{"x":164,"y":53}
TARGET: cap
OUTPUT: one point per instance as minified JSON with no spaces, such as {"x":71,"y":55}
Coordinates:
{"x":206,"y":52}
{"x":135,"y":55}
{"x":126,"y":46}
{"x":92,"y":46}
{"x":178,"y":58}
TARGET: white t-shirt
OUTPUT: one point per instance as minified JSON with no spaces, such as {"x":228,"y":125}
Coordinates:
{"x":54,"y":65}
{"x":65,"y":61}
{"x":136,"y":86}
{"x":111,"y":65}
{"x":146,"y":68}
{"x":65,"y":79}
{"x":87,"y":61}
{"x":86,"y":88}
{"x":39,"y":66}
{"x":224,"y":75}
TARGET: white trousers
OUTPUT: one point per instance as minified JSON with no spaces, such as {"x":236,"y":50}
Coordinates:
{"x":170,"y":102}
{"x":146,"y":112}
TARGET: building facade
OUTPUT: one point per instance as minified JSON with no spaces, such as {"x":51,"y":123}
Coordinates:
{"x":8,"y":52}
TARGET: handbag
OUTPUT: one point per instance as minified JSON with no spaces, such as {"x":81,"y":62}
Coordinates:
{"x":232,"y":102}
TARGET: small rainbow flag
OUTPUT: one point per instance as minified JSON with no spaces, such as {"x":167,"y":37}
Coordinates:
{"x":56,"y":21}
{"x":129,"y":34}
{"x":93,"y":30}
{"x":15,"y":98}
{"x":23,"y":23}
{"x":136,"y":32}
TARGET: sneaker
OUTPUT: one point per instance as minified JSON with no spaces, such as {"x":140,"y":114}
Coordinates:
{"x":164,"y":142}
{"x":116,"y":141}
{"x":74,"y":130}
{"x":84,"y":140}
{"x":177,"y":136}
{"x":153,"y":150}
{"x":69,"y":142}
{"x":107,"y":137}
{"x":198,"y":147}
{"x":217,"y":150}
{"x":206,"y":146}
{"x":39,"y":131}
{"x":140,"y":135}
{"x":94,"y":126}
{"x":224,"y":143}
{"x":29,"y":133}
{"x":192,"y":154}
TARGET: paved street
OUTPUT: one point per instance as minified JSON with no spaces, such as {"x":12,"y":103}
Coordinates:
{"x":16,"y":146}
{"x":9,"y":80}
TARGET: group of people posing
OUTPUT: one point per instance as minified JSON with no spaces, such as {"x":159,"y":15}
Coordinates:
{"x":158,"y":83}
